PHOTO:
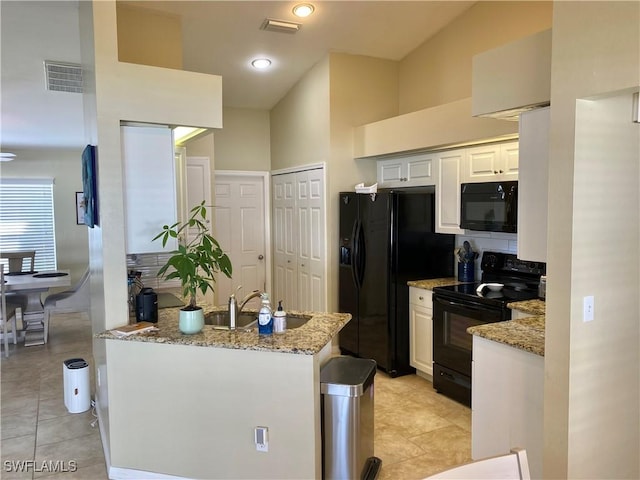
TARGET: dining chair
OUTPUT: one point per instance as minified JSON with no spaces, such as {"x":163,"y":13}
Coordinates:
{"x":8,"y":313}
{"x":76,"y":299}
{"x":16,"y":260}
{"x":512,"y":466}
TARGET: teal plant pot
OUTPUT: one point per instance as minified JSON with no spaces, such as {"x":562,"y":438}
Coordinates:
{"x":191,"y":321}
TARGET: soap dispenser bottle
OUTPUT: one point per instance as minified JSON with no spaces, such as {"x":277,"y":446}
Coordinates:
{"x":279,"y":319}
{"x":265,"y":322}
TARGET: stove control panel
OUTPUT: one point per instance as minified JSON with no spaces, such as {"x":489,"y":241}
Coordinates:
{"x":508,"y":262}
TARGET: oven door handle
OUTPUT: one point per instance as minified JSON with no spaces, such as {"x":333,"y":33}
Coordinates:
{"x":461,"y":305}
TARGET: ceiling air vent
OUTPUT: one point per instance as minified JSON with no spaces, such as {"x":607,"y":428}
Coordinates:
{"x":272,"y":25}
{"x":63,"y":77}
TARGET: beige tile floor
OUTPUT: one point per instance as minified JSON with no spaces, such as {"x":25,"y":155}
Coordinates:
{"x":417,"y":431}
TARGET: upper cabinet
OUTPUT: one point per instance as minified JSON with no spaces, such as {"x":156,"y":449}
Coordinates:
{"x":491,"y":163}
{"x":427,"y":129}
{"x":149,"y":186}
{"x":533,"y":185}
{"x":407,"y":171}
{"x":449,"y":165}
{"x":512,"y":78}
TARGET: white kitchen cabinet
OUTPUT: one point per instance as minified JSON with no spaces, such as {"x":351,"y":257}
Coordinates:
{"x":533,"y":185}
{"x":415,"y":170}
{"x":448,"y":166}
{"x":421,"y":330}
{"x":507,"y":402}
{"x":149,"y":186}
{"x":491,"y":163}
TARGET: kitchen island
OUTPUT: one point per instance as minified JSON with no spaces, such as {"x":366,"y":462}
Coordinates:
{"x":188,"y":405}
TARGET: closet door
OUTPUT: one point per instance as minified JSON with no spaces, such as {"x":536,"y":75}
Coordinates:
{"x":284,"y":241}
{"x":299,"y":240}
{"x":311,"y":240}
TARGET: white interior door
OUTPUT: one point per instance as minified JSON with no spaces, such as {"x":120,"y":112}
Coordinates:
{"x":284,"y":239}
{"x":299,"y":239}
{"x":240,"y":226}
{"x":311,"y":240}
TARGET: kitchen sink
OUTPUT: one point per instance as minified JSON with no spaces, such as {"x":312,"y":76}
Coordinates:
{"x":220,"y":320}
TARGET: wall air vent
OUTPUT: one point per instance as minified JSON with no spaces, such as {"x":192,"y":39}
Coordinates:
{"x":281,"y":26}
{"x":63,"y":77}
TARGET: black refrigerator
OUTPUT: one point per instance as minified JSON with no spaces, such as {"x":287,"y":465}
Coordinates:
{"x":386,"y":239}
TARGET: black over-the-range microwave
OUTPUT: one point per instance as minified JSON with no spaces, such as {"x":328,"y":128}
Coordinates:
{"x":489,"y":206}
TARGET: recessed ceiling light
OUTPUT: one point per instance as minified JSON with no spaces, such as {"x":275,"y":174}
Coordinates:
{"x":261,"y":63}
{"x":303,"y":10}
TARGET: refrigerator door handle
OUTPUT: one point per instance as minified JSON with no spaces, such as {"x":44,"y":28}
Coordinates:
{"x":360,"y":258}
{"x":356,"y":253}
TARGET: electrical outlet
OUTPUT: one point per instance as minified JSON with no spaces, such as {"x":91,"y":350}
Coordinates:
{"x":262,"y":439}
{"x":588,"y":305}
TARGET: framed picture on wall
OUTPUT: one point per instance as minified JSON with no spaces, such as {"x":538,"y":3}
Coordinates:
{"x":80,"y":208}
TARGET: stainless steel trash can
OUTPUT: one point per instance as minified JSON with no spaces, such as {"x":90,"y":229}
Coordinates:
{"x":346,"y":384}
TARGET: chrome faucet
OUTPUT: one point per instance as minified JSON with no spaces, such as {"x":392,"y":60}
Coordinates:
{"x":235,"y":309}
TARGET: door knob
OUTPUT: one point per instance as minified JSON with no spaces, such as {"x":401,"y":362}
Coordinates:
{"x":260,"y":257}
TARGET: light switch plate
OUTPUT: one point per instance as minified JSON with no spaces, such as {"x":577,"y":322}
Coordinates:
{"x":588,"y":313}
{"x":262,"y":439}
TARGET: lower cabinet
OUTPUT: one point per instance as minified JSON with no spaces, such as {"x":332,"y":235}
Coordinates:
{"x":507,"y":402}
{"x":421,"y":330}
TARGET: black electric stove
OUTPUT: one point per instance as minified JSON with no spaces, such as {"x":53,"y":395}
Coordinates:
{"x":458,"y":307}
{"x":520,"y":280}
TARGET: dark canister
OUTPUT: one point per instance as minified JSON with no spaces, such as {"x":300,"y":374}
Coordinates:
{"x":147,"y":306}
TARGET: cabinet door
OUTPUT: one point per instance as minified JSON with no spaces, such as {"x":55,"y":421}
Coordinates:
{"x":448,"y":192}
{"x":149,"y":186}
{"x":391,"y":173}
{"x":533,"y":185}
{"x":510,"y":159}
{"x":491,"y":163}
{"x":482,"y":164}
{"x":421,"y":345}
{"x":420,"y":170}
{"x":421,"y":330}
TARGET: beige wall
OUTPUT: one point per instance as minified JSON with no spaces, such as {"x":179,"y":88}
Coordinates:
{"x":300,"y":121}
{"x":439,"y":70}
{"x":72,"y":248}
{"x":149,"y":37}
{"x":244,"y":142}
{"x":196,"y":427}
{"x":592,"y":370}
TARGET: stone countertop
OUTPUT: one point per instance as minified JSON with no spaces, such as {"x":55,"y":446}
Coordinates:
{"x":525,"y":334}
{"x":308,"y":339}
{"x":433,"y":282}
{"x":533,"y":307}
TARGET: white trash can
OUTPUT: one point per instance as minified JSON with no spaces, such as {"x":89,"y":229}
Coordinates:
{"x":77,"y":394}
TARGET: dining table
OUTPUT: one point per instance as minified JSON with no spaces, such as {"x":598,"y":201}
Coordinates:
{"x":32,"y":285}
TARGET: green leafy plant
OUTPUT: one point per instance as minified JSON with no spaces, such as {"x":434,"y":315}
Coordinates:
{"x":195,"y":262}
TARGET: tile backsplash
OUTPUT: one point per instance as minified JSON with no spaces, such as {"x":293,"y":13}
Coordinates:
{"x":492,"y":241}
{"x":149,"y":264}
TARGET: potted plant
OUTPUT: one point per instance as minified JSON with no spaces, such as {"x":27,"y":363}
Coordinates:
{"x":195,"y":263}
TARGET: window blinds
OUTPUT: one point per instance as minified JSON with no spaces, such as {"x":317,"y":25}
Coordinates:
{"x":27,"y":219}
